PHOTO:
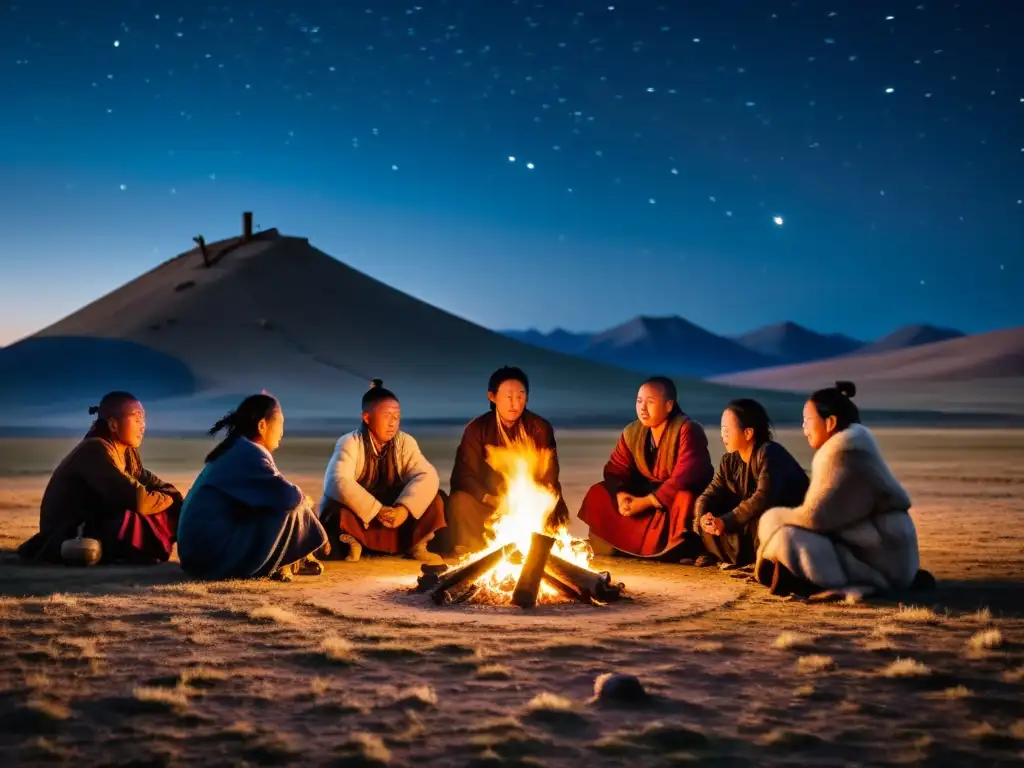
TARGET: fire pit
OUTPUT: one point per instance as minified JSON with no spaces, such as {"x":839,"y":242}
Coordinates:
{"x":528,"y":562}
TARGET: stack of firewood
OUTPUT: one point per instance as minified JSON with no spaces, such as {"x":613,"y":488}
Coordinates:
{"x":458,"y":585}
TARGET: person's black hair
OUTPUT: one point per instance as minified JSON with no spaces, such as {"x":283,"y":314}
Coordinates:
{"x":377,"y":393}
{"x":242,"y":422}
{"x":668,"y":390}
{"x":507,"y":373}
{"x":837,"y":401}
{"x":110,"y":407}
{"x":752,"y":415}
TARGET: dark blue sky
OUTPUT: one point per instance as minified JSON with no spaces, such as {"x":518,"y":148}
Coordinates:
{"x":653,"y":144}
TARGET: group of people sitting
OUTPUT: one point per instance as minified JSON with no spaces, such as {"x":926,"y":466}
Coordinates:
{"x":846,"y":527}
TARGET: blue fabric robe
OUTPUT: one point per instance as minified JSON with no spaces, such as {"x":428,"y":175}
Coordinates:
{"x":243,"y":519}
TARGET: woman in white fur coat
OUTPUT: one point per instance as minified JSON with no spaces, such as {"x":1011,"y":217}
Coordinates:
{"x":853,"y":534}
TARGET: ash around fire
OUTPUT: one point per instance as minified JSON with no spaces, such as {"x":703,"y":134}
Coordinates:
{"x":504,"y":576}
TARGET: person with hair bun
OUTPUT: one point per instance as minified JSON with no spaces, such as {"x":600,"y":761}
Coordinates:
{"x":380,"y":492}
{"x":660,"y":465}
{"x":853,"y":533}
{"x":101,"y":491}
{"x":242,"y":519}
{"x":754,"y":475}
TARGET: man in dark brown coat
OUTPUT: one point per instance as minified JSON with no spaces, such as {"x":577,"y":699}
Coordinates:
{"x":102,"y":490}
{"x":475,"y":486}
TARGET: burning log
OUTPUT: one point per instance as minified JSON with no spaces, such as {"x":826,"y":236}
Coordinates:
{"x":567,"y":590}
{"x":589,"y":584}
{"x":525,"y":594}
{"x":430,"y":576}
{"x":469,"y":572}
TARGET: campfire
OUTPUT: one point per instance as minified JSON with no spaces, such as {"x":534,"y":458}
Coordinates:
{"x":526,"y":561}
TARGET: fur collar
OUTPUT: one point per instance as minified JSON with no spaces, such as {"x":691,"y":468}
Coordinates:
{"x":857,"y":439}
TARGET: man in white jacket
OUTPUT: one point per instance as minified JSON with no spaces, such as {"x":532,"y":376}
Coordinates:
{"x":380,"y":492}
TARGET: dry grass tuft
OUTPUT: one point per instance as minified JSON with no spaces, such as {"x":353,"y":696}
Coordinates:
{"x":48,"y":709}
{"x":1017,"y":730}
{"x":395,"y":651}
{"x":905,"y":668}
{"x":201,"y":676}
{"x":1014,"y":675}
{"x":37,"y":680}
{"x":338,"y":650}
{"x":271,"y":613}
{"x":709,"y":647}
{"x":171,"y":698}
{"x":877,"y":644}
{"x":890,"y":630}
{"x":240,"y":728}
{"x":419,"y":696}
{"x":917,"y":614}
{"x":494,"y":672}
{"x":550,"y":702}
{"x":794,"y":640}
{"x":318,"y":686}
{"x":814,"y":663}
{"x":554,"y":711}
{"x":985,"y":640}
{"x":193,"y":588}
{"x":958,"y":692}
{"x":368,"y":748}
{"x":86,"y":646}
{"x":782,"y":738}
{"x":982,"y":732}
{"x":982,"y":616}
{"x":58,"y":598}
{"x":665,"y":737}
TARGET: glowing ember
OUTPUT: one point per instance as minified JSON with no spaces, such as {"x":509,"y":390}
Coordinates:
{"x":523,"y":510}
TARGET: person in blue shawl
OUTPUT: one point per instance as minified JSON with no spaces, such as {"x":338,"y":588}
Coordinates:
{"x":241,"y":518}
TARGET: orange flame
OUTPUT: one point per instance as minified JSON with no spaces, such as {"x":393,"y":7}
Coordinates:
{"x":523,"y":510}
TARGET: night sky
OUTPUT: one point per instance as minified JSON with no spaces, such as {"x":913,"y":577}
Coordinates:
{"x":851,"y":165}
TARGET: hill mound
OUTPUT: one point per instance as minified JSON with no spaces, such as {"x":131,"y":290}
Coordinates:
{"x":971,"y":373}
{"x":37,"y":371}
{"x":558,"y":340}
{"x":910,"y":336}
{"x":788,"y":343}
{"x":275,"y":313}
{"x":671,"y":345}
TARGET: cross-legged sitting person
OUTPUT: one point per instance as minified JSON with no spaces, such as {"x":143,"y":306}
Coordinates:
{"x":755,"y":474}
{"x":477,"y":486}
{"x":659,"y":467}
{"x":242,"y":518}
{"x":853,"y":534}
{"x":101,"y":492}
{"x":380,"y":492}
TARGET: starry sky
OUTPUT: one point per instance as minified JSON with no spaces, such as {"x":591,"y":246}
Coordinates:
{"x":852,"y":165}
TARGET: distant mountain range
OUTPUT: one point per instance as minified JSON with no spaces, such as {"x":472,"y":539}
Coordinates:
{"x":676,"y":346}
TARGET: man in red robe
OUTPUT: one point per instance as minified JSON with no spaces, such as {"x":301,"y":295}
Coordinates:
{"x":102,"y":491}
{"x":660,"y":466}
